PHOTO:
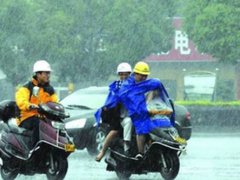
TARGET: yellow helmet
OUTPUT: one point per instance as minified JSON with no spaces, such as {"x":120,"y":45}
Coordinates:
{"x":142,"y":68}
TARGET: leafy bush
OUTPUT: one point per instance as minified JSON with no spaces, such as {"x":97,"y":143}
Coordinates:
{"x":208,"y":103}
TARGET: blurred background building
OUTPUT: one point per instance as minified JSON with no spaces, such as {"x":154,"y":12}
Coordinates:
{"x":191,"y":75}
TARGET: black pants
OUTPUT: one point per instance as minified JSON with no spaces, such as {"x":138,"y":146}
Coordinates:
{"x":32,"y":124}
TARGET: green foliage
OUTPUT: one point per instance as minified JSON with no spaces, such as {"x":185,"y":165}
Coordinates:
{"x":225,"y":90}
{"x":84,"y":40}
{"x":13,"y":23}
{"x":214,"y":27}
{"x":208,"y":103}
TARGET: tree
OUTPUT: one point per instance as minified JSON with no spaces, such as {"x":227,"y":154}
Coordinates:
{"x":134,"y":29}
{"x":13,"y":36}
{"x":214,"y":26}
{"x":84,"y":40}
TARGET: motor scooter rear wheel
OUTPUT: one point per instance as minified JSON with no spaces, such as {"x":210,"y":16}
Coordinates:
{"x":123,"y":175}
{"x":8,"y":174}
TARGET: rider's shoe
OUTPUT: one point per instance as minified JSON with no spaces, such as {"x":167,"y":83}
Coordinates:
{"x":99,"y":156}
{"x":139,"y":156}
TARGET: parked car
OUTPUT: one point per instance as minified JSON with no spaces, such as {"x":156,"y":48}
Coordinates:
{"x":82,"y":105}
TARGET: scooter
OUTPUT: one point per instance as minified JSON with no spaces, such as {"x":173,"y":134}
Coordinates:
{"x":161,"y":155}
{"x":48,"y":156}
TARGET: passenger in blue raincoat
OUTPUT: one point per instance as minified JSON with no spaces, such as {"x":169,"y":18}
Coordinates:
{"x":133,"y":95}
{"x":114,"y":114}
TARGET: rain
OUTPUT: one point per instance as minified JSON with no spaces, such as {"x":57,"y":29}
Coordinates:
{"x":193,"y":47}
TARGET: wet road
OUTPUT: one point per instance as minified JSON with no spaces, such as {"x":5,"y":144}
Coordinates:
{"x":209,"y":156}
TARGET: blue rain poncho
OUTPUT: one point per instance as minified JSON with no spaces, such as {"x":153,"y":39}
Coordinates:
{"x":132,"y":96}
{"x":111,"y":101}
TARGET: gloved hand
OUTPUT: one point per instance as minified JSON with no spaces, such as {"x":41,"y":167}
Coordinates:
{"x":33,"y":106}
{"x":104,"y":108}
{"x":153,"y":112}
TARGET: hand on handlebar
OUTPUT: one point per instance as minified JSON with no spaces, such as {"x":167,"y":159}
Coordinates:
{"x":105,"y":108}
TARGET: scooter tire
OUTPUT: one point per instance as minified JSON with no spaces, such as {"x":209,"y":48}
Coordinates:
{"x":8,"y":174}
{"x":172,"y":165}
{"x":61,"y":164}
{"x":123,"y":175}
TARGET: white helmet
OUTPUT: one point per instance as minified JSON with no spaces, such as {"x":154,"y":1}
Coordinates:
{"x":41,"y":65}
{"x":124,"y":67}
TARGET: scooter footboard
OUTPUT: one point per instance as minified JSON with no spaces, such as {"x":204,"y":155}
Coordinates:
{"x":25,"y":140}
{"x":3,"y":154}
{"x":122,"y":163}
{"x":18,"y":145}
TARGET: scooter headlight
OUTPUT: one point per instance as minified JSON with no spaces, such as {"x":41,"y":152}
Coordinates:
{"x":58,"y":125}
{"x":78,"y":123}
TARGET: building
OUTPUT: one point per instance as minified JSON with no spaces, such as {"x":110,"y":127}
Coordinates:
{"x":190,"y":75}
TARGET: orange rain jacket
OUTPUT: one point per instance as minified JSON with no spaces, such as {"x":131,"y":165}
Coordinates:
{"x":24,"y":98}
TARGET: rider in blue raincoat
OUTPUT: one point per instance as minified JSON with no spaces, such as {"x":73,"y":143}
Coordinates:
{"x":132,"y":95}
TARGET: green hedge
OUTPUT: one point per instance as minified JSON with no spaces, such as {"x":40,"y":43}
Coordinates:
{"x":208,"y":103}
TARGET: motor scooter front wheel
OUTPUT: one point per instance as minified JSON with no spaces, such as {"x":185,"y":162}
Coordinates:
{"x":59,"y":170}
{"x":170,"y":165}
